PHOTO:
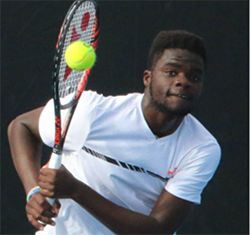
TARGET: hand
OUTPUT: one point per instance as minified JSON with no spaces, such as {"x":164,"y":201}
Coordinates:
{"x":56,"y":183}
{"x":38,"y":209}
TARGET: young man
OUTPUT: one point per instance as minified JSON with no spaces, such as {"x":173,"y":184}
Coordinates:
{"x":134,"y":164}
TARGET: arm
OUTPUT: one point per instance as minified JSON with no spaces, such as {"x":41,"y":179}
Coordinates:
{"x":166,"y":217}
{"x":25,"y":145}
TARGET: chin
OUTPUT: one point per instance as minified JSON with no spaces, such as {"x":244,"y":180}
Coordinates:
{"x":174,"y":111}
{"x":180,"y":113}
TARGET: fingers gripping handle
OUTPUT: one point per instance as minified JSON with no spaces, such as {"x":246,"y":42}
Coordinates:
{"x":55,"y":162}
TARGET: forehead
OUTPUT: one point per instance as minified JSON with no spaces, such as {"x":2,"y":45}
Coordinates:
{"x":182,"y":57}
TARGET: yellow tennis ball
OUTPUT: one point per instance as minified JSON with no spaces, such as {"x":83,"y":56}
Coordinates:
{"x":80,"y":56}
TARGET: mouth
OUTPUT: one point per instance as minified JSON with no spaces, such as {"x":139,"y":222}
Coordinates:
{"x":182,"y":96}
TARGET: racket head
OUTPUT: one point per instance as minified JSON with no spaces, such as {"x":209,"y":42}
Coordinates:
{"x":81,"y":23}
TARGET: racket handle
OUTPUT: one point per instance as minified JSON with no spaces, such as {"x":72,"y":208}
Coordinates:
{"x":51,"y":200}
{"x":54,"y":163}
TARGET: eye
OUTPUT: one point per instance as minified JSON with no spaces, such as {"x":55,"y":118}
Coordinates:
{"x":171,"y":73}
{"x":196,"y":79}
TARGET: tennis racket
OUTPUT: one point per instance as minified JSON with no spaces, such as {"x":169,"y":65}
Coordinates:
{"x":81,"y":23}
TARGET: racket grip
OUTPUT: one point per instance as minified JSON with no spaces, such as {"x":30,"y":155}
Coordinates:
{"x":51,"y":200}
{"x":54,"y":163}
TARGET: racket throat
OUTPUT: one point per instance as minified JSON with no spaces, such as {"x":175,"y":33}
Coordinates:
{"x":57,"y":151}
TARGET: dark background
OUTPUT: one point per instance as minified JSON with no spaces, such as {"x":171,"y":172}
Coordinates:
{"x":29,"y":32}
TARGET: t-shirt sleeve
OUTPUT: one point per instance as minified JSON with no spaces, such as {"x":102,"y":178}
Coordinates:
{"x":189,"y":181}
{"x":79,"y":126}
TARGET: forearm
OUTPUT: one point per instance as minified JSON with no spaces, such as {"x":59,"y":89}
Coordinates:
{"x":25,"y":149}
{"x":168,"y":213}
{"x":116,"y":218}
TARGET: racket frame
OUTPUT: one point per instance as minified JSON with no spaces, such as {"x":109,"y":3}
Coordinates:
{"x":61,"y":130}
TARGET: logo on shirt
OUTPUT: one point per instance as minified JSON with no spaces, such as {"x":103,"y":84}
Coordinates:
{"x":172,"y":170}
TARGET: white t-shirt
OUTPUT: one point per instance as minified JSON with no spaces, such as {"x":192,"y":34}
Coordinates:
{"x":110,"y":147}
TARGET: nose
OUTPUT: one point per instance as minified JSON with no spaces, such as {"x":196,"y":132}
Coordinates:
{"x":182,"y":81}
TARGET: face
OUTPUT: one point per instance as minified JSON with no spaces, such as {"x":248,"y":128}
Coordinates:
{"x":175,"y":83}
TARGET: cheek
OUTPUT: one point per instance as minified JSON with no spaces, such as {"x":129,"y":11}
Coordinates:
{"x":156,"y":88}
{"x":200,"y":89}
{"x":198,"y":92}
{"x":160,"y":84}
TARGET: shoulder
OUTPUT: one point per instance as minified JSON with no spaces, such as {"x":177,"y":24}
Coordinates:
{"x":199,"y":157}
{"x":196,"y":130}
{"x":109,"y":102}
{"x":198,"y":142}
{"x":203,"y":146}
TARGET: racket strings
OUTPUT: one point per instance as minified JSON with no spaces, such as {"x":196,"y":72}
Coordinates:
{"x":82,"y":27}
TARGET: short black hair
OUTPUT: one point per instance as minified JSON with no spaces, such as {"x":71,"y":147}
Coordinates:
{"x":176,"y":39}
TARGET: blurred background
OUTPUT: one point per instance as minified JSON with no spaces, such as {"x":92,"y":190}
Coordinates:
{"x":29,"y":32}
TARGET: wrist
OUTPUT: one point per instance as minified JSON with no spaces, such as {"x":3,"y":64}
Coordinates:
{"x":75,"y":189}
{"x":34,"y":190}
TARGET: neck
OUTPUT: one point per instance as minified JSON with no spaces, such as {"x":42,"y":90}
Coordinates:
{"x":161,"y":124}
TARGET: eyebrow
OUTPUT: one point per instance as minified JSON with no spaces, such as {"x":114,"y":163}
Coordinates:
{"x":173,"y":64}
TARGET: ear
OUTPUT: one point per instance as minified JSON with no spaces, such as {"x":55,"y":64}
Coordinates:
{"x":147,"y":77}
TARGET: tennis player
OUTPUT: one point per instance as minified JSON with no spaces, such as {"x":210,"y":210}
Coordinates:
{"x":133,"y":164}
